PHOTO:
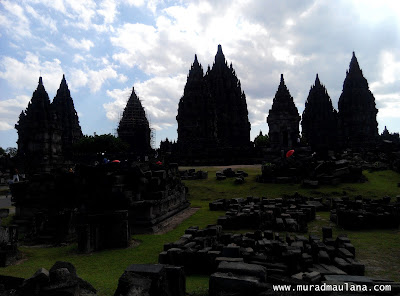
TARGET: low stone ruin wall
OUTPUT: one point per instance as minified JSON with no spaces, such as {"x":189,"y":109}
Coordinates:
{"x":48,"y":207}
{"x":362,"y":213}
{"x":281,"y":214}
{"x":101,"y":231}
{"x":8,"y":245}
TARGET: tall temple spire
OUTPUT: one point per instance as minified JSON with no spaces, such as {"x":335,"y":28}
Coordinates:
{"x":39,"y":136}
{"x":319,"y":120}
{"x":219,"y":57}
{"x":67,"y":117}
{"x":317,"y":82}
{"x":357,"y":131}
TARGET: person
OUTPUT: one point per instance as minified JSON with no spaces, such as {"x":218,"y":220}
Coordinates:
{"x":15,"y":177}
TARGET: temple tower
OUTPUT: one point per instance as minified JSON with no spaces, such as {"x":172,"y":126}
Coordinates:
{"x":134,"y":127}
{"x":197,"y":119}
{"x":283,"y":120}
{"x":319,"y":120}
{"x":358,"y":126}
{"x":68,"y":118}
{"x":39,"y":133}
{"x":233,"y":126}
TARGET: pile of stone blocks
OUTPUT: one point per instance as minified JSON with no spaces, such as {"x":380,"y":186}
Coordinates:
{"x":192,"y":174}
{"x":152,"y":280}
{"x":239,"y":175}
{"x":61,"y":279}
{"x":202,"y":250}
{"x":365,"y":213}
{"x":281,"y":214}
{"x":310,"y":172}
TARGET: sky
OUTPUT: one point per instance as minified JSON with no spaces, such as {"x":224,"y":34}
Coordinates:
{"x":106,"y":47}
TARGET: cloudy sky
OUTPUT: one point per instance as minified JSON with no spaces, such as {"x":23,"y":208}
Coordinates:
{"x":104,"y":48}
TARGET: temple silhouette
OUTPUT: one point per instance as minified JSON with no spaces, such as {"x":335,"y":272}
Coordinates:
{"x":213,"y":123}
{"x":47,"y":131}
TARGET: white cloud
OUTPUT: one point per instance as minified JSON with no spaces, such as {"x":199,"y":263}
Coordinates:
{"x":114,"y":109}
{"x":136,"y":3}
{"x":15,"y":21}
{"x":78,"y":58}
{"x":84,"y":44}
{"x":10,"y":110}
{"x":108,"y":11}
{"x":24,"y":75}
{"x":5,"y":126}
{"x":82,"y":13}
{"x":94,"y":79}
{"x":46,"y":21}
{"x":159,"y":97}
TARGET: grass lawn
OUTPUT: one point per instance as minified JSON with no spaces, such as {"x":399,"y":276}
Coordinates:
{"x":379,"y":250}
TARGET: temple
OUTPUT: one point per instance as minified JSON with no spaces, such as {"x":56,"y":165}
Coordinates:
{"x":134,"y":127}
{"x":233,"y":126}
{"x":39,"y":133}
{"x":283,"y":120}
{"x":197,"y":118}
{"x":319,"y":120}
{"x":212,"y":112}
{"x":67,"y":117}
{"x":358,"y":126}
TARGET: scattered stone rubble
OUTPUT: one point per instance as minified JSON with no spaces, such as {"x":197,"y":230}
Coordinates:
{"x":365,"y":213}
{"x":248,"y":264}
{"x":192,"y":174}
{"x":311,"y":172}
{"x":281,"y":214}
{"x":229,"y":173}
{"x":61,"y":279}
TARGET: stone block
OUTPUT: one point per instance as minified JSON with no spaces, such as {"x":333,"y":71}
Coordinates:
{"x":241,"y":268}
{"x":231,"y":284}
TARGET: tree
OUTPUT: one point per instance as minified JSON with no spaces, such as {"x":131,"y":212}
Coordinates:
{"x":100,"y":144}
{"x":11,"y":151}
{"x":261,"y":140}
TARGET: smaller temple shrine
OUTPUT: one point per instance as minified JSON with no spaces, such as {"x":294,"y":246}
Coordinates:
{"x":283,"y":120}
{"x":134,"y":127}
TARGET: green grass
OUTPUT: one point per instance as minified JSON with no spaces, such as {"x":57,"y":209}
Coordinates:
{"x":378,"y":249}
